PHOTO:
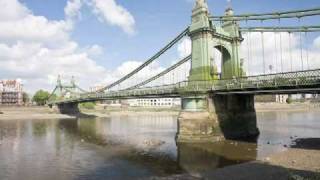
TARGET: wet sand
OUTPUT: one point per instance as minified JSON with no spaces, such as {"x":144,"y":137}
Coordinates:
{"x":34,"y":113}
{"x":293,"y":164}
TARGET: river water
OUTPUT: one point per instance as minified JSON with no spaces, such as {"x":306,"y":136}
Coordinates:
{"x":134,"y":146}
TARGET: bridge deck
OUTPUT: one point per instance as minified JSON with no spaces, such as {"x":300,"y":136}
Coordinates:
{"x":281,"y":83}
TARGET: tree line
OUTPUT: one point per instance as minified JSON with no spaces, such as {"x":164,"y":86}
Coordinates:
{"x":39,"y":98}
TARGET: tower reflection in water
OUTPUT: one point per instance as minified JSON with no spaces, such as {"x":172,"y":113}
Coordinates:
{"x":196,"y":159}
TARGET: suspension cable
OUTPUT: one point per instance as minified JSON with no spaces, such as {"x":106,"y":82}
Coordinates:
{"x":307,"y":50}
{"x":276,"y":50}
{"x":281,"y":29}
{"x":161,"y":74}
{"x":275,"y":13}
{"x":51,"y":94}
{"x":263,"y":53}
{"x":154,"y":57}
{"x":248,"y":52}
{"x":269,"y":16}
{"x":301,"y":55}
{"x":290,"y":51}
{"x":281,"y":49}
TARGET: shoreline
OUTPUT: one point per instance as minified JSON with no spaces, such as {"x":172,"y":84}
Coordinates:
{"x":30,"y":113}
{"x":36,"y":112}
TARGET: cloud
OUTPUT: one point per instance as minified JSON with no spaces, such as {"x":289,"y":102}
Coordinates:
{"x":72,"y":9}
{"x":94,"y":51}
{"x":114,"y":14}
{"x":184,"y":47}
{"x":316,"y":42}
{"x":36,"y":49}
{"x":127,"y":67}
{"x":12,"y":10}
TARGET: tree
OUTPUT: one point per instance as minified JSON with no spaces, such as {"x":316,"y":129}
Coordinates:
{"x":88,"y":105}
{"x":25,"y":98}
{"x":41,"y":97}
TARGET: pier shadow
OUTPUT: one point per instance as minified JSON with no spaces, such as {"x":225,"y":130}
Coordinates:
{"x":84,"y":115}
{"x":306,"y":143}
{"x":262,"y":171}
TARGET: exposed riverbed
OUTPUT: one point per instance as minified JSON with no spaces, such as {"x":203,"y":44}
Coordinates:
{"x":39,"y":144}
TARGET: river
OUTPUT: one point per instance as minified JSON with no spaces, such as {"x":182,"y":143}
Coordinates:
{"x":134,"y":146}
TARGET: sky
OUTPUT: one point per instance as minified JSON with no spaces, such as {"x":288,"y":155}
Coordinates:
{"x":99,"y":41}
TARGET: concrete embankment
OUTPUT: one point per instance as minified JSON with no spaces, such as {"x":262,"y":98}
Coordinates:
{"x":269,"y":107}
{"x":33,"y":113}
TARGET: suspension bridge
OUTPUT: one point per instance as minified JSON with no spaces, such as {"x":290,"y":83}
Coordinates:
{"x":218,"y":101}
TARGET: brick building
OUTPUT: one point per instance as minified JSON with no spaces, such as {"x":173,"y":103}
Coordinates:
{"x":11,"y":92}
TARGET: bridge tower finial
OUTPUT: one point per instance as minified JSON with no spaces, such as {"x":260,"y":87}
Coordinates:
{"x":201,"y":33}
{"x":201,"y":4}
{"x":59,"y":83}
{"x":229,"y":10}
{"x":73,"y":81}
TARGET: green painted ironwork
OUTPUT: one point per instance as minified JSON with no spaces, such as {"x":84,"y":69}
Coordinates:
{"x":205,"y":36}
{"x":161,"y":74}
{"x":281,"y":29}
{"x":269,"y":16}
{"x":149,"y":61}
{"x":61,"y":90}
{"x":301,"y":79}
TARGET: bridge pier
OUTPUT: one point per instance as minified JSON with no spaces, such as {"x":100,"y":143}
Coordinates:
{"x":208,"y":118}
{"x":68,"y":108}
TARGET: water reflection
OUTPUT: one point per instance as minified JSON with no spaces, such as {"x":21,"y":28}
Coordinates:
{"x":198,"y":159}
{"x":133,"y":147}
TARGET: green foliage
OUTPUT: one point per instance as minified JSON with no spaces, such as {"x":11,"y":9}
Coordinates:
{"x":25,"y":97}
{"x":88,"y":105}
{"x":41,"y":97}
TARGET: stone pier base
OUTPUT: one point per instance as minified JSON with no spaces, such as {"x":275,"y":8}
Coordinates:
{"x":217,"y":117}
{"x":69,"y":109}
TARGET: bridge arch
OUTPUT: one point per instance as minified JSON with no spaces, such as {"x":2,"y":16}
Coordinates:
{"x":222,"y":58}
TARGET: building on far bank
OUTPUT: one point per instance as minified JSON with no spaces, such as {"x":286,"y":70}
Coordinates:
{"x":96,"y":88}
{"x":282,"y":98}
{"x":155,"y":102}
{"x":147,"y":102}
{"x":11,"y":92}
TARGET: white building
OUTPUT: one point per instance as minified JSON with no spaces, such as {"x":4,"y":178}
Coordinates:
{"x":296,"y":97}
{"x":96,"y":88}
{"x":281,"y":98}
{"x":155,"y":102}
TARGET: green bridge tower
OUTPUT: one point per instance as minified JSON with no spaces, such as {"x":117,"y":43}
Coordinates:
{"x":206,"y":116}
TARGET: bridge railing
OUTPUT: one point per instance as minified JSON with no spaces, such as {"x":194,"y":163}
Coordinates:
{"x":270,"y":81}
{"x":288,"y":79}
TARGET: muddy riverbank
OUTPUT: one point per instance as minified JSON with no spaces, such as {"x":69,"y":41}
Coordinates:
{"x":33,"y":113}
